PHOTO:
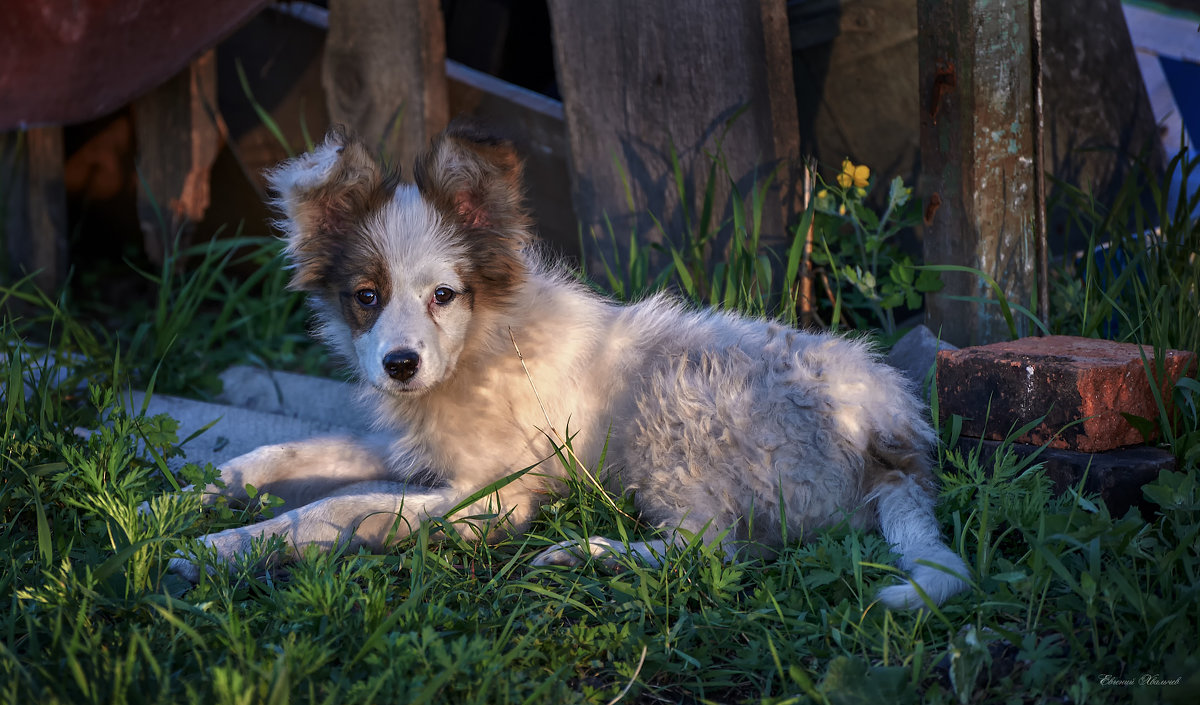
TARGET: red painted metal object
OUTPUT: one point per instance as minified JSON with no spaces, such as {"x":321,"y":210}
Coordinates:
{"x":64,"y":61}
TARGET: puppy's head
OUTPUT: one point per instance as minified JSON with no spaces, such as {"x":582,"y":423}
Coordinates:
{"x":398,"y":273}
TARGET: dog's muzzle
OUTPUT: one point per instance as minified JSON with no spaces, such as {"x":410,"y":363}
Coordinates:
{"x":401,"y":365}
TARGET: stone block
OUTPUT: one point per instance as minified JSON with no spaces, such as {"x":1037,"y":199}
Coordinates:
{"x":915,"y":355}
{"x":1081,"y":386}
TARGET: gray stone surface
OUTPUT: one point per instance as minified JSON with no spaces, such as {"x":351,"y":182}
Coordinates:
{"x":236,"y":430}
{"x":41,"y":365}
{"x":300,"y":396}
{"x":915,"y":354}
{"x":258,"y":407}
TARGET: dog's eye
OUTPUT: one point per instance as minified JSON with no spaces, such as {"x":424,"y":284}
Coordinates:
{"x":443,"y":294}
{"x":367,"y":297}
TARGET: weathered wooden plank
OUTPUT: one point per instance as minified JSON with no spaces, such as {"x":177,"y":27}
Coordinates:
{"x":177,"y":142}
{"x":37,"y":206}
{"x":384,"y":73}
{"x":856,"y":84}
{"x":535,"y":123}
{"x":978,"y":174}
{"x":638,"y":77}
{"x":1098,"y":115}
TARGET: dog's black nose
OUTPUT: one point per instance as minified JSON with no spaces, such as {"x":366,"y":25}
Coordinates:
{"x":401,"y":365}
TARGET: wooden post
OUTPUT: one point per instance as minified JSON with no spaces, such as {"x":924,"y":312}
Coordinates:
{"x":978,"y":176}
{"x":178,"y":139}
{"x":37,"y":206}
{"x":384,"y":73}
{"x":640,"y":77}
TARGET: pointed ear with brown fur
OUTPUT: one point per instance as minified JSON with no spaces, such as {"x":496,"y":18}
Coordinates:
{"x":323,"y":196}
{"x":475,"y":180}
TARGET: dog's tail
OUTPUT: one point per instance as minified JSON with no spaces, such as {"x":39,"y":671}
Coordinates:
{"x":907,"y":521}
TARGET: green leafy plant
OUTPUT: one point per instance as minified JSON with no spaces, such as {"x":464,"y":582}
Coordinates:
{"x":866,"y":276}
{"x":857,"y":247}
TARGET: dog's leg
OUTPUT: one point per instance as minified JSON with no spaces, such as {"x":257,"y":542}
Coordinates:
{"x":372,"y":514}
{"x":361,"y":514}
{"x":572,"y":553}
{"x":302,"y":472}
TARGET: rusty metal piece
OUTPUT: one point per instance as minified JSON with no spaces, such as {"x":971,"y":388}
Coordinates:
{"x":64,"y":61}
{"x":944,"y":81}
{"x":931,"y":208}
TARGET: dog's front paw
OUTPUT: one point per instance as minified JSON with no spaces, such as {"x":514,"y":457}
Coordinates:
{"x":185,"y":567}
{"x":573,"y":553}
{"x":229,"y":545}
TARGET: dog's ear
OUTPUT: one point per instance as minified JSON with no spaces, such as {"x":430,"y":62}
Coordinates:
{"x":323,"y":196}
{"x":474,"y":179}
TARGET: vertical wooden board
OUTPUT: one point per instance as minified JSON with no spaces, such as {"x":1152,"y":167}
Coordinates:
{"x":384,"y":73}
{"x":281,"y":58}
{"x":36,"y":212}
{"x":1097,"y":112}
{"x":638,"y":78}
{"x":178,"y":138}
{"x":977,"y":161}
{"x":856,"y":74}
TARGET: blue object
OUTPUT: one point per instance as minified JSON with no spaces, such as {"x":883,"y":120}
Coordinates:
{"x":1184,"y":79}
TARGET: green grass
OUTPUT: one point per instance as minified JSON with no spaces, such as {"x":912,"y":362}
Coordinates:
{"x":1063,"y":592}
{"x":1143,"y":283}
{"x":205,"y":308}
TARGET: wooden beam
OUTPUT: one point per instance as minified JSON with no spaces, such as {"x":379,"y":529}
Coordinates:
{"x":535,"y":124}
{"x":178,"y":139}
{"x":37,"y":206}
{"x":978,"y":176}
{"x":640,"y":77}
{"x":384,"y":73}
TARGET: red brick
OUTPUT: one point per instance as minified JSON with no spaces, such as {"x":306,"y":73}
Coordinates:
{"x":1063,"y":378}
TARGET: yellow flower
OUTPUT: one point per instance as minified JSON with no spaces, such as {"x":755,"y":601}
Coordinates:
{"x":853,"y":175}
{"x":822,"y":193}
{"x":842,"y":209}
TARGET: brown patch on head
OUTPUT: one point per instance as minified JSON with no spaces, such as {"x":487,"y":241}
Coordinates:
{"x":325,"y":197}
{"x":474,"y":180}
{"x":358,"y":267}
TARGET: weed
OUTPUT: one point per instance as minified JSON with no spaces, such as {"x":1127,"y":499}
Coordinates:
{"x":875,"y":279}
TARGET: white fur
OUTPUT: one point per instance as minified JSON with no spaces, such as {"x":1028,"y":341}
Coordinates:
{"x":717,"y":423}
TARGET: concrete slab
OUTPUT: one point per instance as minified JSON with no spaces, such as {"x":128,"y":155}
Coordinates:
{"x":41,"y":366}
{"x":299,"y":396}
{"x":236,"y":431}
